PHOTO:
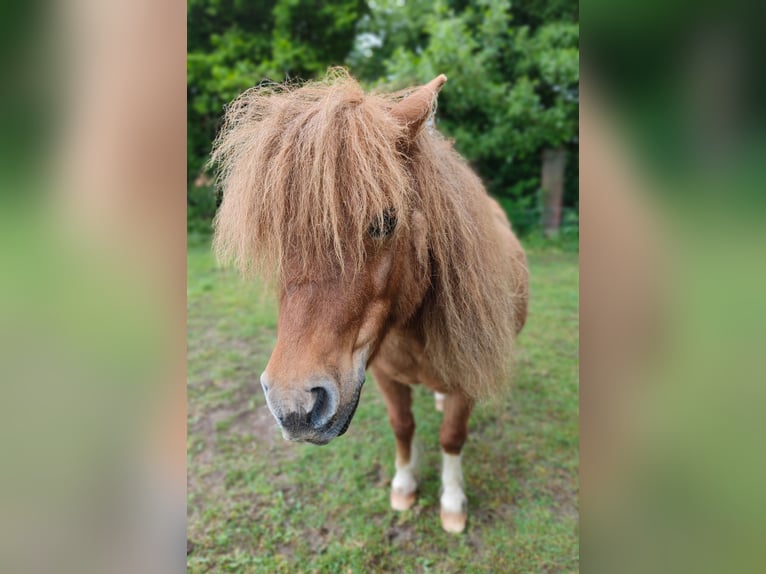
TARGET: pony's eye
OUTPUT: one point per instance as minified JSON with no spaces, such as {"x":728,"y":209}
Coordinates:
{"x":384,"y":226}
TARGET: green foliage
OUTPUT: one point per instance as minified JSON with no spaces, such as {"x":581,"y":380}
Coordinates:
{"x":200,"y":209}
{"x":512,"y":91}
{"x":234,"y":44}
{"x":566,"y":241}
{"x":513,"y":71}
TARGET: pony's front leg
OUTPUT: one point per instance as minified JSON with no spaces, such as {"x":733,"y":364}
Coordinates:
{"x":398,"y":399}
{"x":454,"y":429}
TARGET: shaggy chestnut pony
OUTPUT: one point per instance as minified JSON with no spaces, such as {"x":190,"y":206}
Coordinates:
{"x":386,"y":252}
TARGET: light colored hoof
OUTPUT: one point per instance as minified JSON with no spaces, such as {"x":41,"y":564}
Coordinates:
{"x":401,"y":500}
{"x":439,"y":402}
{"x":453,"y":521}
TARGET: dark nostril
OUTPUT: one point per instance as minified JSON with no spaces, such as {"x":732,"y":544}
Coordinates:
{"x":325,"y":404}
{"x":291,"y":413}
{"x":316,"y":416}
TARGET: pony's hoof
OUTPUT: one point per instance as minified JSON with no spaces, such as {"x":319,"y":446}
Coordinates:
{"x":439,"y":402}
{"x":453,"y":521}
{"x":401,"y":500}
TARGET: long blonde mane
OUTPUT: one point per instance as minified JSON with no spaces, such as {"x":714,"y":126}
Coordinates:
{"x":304,"y":171}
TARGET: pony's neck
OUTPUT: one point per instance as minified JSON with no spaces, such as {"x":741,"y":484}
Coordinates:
{"x":415,"y":284}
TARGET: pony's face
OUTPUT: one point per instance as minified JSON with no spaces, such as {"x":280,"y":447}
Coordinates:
{"x":331,"y":322}
{"x":328,"y":330}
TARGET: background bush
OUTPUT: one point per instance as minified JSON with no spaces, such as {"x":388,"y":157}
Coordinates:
{"x":513,"y":73}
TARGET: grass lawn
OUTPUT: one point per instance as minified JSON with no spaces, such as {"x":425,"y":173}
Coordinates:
{"x":257,"y":503}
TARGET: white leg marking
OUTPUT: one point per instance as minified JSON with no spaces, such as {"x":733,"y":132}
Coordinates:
{"x":404,"y":479}
{"x":405,"y":483}
{"x":453,"y":501}
{"x":439,"y":400}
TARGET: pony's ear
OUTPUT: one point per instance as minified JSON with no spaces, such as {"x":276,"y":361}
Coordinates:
{"x":413,"y":110}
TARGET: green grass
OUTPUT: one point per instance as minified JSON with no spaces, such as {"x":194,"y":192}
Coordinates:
{"x":257,"y":503}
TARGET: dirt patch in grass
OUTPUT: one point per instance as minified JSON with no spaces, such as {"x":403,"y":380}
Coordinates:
{"x":400,"y":534}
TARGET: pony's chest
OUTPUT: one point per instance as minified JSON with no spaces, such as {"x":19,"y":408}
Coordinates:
{"x":401,"y":357}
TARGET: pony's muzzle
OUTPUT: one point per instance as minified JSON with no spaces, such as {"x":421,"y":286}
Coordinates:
{"x":302,"y":411}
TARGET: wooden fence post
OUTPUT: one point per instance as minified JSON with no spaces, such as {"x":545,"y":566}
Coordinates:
{"x":552,"y":184}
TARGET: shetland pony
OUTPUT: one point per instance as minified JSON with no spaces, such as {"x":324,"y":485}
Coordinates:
{"x":386,"y":253}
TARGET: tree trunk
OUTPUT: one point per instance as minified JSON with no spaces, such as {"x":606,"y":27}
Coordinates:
{"x":552,"y":183}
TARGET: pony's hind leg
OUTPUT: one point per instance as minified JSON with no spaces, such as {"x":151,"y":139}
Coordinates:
{"x":454,"y":429}
{"x":398,"y":399}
